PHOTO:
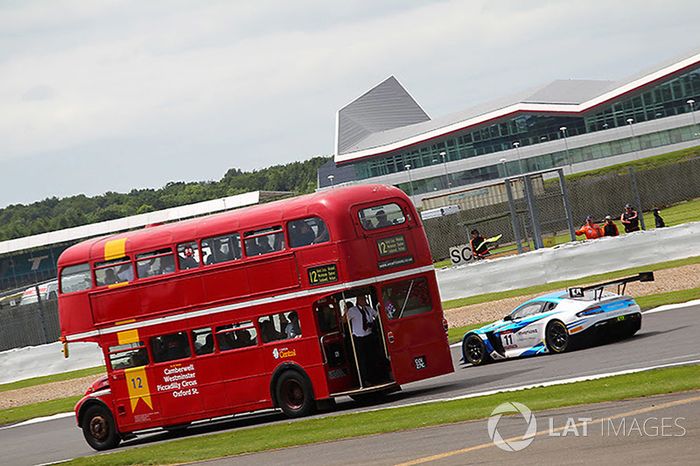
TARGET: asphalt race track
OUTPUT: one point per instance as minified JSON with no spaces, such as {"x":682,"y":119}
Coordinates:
{"x":665,"y":338}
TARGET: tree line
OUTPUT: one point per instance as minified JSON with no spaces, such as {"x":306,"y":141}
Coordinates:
{"x":50,"y":214}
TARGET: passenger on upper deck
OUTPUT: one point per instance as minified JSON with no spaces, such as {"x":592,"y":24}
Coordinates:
{"x":382,"y":220}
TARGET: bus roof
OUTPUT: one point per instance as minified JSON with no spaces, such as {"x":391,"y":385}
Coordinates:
{"x":330,"y":204}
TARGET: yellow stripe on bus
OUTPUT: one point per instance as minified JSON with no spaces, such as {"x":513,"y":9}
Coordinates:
{"x":137,"y":384}
{"x":128,"y":336}
{"x":114,"y":249}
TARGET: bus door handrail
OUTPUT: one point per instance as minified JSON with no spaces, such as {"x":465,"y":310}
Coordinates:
{"x":381,"y":330}
{"x":323,"y":348}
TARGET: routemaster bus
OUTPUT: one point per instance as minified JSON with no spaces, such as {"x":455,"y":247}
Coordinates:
{"x":247,"y":310}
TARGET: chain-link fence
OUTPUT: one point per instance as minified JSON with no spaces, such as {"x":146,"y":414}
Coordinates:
{"x":29,"y":316}
{"x":542,"y":208}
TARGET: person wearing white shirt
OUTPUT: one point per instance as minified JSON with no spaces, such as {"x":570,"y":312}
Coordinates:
{"x":361,"y":318}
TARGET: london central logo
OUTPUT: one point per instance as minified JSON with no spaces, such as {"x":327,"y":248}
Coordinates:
{"x":512,"y":444}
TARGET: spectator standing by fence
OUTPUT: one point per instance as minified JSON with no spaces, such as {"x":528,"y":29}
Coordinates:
{"x":658,"y":219}
{"x":630,"y":219}
{"x":590,"y":229}
{"x":609,"y":227}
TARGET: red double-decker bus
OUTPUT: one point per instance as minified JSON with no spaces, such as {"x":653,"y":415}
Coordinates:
{"x":284,"y":305}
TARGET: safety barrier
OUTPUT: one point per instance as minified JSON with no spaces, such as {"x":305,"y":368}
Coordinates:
{"x":571,"y":260}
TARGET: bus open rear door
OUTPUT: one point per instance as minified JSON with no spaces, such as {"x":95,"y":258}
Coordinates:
{"x":416,"y":340}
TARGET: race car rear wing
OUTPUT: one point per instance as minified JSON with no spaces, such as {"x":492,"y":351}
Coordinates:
{"x":579,"y":291}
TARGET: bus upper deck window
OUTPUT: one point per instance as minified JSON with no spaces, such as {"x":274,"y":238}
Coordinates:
{"x":381,"y":216}
{"x":307,"y":231}
{"x":76,"y":278}
{"x":221,"y":249}
{"x":153,"y":263}
{"x":188,"y":255}
{"x":114,"y":271}
{"x":264,"y":241}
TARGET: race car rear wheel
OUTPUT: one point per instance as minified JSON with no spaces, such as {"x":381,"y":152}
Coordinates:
{"x":474,"y":350}
{"x":556,"y":337}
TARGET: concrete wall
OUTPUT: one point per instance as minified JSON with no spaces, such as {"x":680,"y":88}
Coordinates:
{"x":569,"y":261}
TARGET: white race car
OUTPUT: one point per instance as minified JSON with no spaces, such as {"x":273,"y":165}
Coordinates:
{"x":556,"y":322}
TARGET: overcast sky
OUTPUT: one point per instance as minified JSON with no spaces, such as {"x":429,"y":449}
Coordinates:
{"x":114,"y":95}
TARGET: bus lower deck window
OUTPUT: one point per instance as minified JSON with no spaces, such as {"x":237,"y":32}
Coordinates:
{"x":203,"y":341}
{"x":234,"y":336}
{"x":282,"y":326}
{"x":170,"y":347}
{"x":128,"y":355}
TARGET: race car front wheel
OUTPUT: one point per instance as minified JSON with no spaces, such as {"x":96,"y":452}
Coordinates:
{"x":474,"y":350}
{"x":557,"y":337}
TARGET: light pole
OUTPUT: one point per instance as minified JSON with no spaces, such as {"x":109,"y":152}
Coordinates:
{"x":691,"y":102}
{"x":330,"y":178}
{"x":443,"y":154}
{"x":505,"y":168}
{"x":410,"y":182}
{"x":516,"y":144}
{"x":566,"y":146}
{"x":629,"y":122}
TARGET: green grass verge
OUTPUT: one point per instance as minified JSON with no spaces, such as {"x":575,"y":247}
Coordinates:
{"x":52,"y":378}
{"x":670,"y":297}
{"x":308,"y":431}
{"x":646,"y":163}
{"x":482,"y":298}
{"x":44,"y":408}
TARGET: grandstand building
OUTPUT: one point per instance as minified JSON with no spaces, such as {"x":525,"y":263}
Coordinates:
{"x":385,"y":136}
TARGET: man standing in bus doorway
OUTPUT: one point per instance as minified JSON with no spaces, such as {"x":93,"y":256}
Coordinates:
{"x":360,"y":318}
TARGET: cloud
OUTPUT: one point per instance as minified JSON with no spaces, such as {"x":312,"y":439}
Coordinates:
{"x":186,"y":90}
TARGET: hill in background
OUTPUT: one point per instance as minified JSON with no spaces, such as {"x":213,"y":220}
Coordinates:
{"x":52,"y":214}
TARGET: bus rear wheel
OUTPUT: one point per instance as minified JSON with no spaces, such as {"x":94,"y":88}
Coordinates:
{"x":99,"y":429}
{"x":294,"y":395}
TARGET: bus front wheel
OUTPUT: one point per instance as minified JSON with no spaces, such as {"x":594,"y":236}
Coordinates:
{"x":294,"y":395}
{"x":99,"y":429}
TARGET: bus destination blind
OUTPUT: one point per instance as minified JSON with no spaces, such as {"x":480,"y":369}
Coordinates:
{"x":393,"y":245}
{"x":323,"y":274}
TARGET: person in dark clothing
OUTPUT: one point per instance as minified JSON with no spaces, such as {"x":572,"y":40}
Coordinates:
{"x":609,"y":227}
{"x":630,"y":219}
{"x":658,"y":219}
{"x":478,"y":245}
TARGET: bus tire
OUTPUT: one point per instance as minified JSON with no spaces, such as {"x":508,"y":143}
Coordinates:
{"x":294,"y":395}
{"x":99,"y":429}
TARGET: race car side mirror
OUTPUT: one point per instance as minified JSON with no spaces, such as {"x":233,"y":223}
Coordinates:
{"x":508,"y":317}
